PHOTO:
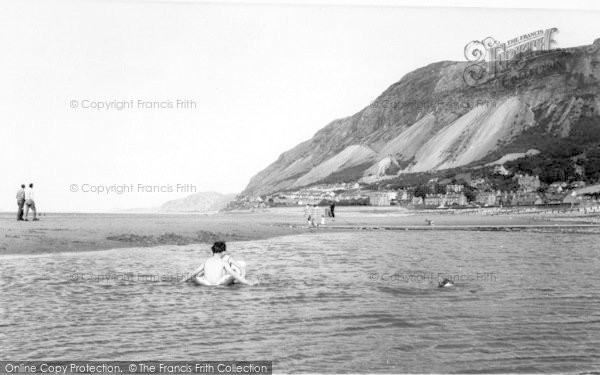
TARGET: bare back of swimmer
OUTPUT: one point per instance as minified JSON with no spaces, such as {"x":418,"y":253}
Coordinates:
{"x":217,"y":269}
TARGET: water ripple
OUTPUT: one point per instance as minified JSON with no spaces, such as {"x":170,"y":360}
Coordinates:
{"x":345,"y":302}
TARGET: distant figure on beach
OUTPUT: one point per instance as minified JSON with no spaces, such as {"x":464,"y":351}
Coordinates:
{"x":314,"y":215}
{"x":218,"y":268}
{"x":20,"y":202}
{"x":311,"y":220}
{"x":30,"y":203}
{"x":332,"y":209}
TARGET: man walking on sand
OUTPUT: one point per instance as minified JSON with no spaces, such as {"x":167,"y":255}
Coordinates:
{"x":20,"y":202}
{"x":30,"y":203}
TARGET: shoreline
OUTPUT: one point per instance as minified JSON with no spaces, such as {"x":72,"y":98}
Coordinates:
{"x":75,"y":232}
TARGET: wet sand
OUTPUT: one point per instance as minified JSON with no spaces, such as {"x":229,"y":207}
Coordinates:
{"x":64,"y":232}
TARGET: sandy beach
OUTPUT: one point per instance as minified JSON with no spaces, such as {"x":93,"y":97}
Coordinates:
{"x":63,"y":232}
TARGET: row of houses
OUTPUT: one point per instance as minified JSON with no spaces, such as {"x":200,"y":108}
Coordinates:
{"x":530,"y":191}
{"x":449,"y":199}
{"x":520,"y":198}
{"x":529,"y":198}
{"x":444,"y":200}
{"x":405,"y":198}
{"x":311,"y":197}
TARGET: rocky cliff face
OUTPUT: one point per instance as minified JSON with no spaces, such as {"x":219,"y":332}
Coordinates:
{"x":199,"y":202}
{"x":434,"y":118}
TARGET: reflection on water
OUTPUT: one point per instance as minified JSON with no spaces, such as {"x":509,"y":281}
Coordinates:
{"x":346,"y":302}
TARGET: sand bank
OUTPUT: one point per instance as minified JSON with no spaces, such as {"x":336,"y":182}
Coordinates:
{"x":61,"y":232}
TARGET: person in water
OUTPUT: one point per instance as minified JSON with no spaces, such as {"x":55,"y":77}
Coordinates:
{"x":218,"y":268}
{"x":444,"y":282}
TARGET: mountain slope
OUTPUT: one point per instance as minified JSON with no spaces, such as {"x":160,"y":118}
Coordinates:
{"x":473,"y":135}
{"x":432,"y":120}
{"x":199,"y":202}
{"x":351,"y":156}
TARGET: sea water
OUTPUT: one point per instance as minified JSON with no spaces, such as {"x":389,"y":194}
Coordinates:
{"x":328,"y":302}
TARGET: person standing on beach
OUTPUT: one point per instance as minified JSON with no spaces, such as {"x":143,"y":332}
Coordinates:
{"x":332,"y":208}
{"x":30,"y":203}
{"x":20,"y":202}
{"x":307,"y":213}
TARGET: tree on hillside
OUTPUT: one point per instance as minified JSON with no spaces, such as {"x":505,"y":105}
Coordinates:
{"x":592,"y":165}
{"x":470,"y":193}
{"x":440,"y":189}
{"x":421,"y":191}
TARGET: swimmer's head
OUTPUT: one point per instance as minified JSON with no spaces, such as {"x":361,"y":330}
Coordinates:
{"x":219,"y":247}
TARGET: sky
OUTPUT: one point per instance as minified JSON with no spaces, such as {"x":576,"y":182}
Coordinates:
{"x":252,"y":79}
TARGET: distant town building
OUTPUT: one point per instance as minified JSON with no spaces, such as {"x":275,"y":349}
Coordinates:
{"x":526,"y":199}
{"x":557,"y":187}
{"x":454,"y":188}
{"x":528,"y":183}
{"x":449,"y":199}
{"x":382,"y":198}
{"x":403,"y":196}
{"x":554,"y":197}
{"x":284,"y":200}
{"x":349,"y":196}
{"x":417,"y":201}
{"x":455,"y":199}
{"x":434,"y":200}
{"x":486,"y":199}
